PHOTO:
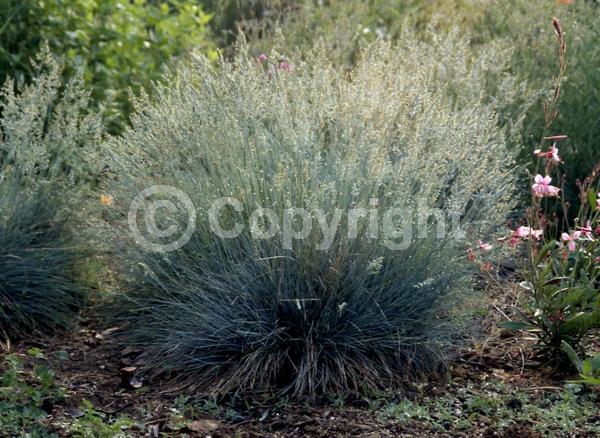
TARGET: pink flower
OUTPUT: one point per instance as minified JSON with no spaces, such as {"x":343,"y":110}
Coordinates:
{"x":571,"y":239}
{"x":485,"y":267}
{"x":470,"y":255}
{"x":551,"y":154}
{"x":484,"y":246}
{"x":543,"y":188}
{"x":285,"y":66}
{"x":598,"y":202}
{"x":527,"y":231}
{"x":262,"y":58}
{"x":524,"y":233}
{"x":514,"y":241}
{"x":586,"y":231}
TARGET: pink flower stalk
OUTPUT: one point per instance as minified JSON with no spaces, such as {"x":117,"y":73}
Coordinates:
{"x":554,"y":154}
{"x":484,"y":246}
{"x":543,"y":188}
{"x":537,"y":234}
{"x":262,"y":58}
{"x":598,"y":202}
{"x":551,"y":154}
{"x":285,"y":66}
{"x":557,"y":137}
{"x":570,"y":239}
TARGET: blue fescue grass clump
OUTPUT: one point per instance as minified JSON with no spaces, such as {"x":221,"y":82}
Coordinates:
{"x":37,"y":258}
{"x":399,"y":131}
{"x":226,"y":317}
{"x":48,"y":138}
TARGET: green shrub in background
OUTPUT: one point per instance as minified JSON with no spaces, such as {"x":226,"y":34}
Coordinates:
{"x":229,"y":16}
{"x":525,"y":25}
{"x":48,"y":146}
{"x":120,"y":43}
{"x":233,"y":314}
{"x":341,"y":24}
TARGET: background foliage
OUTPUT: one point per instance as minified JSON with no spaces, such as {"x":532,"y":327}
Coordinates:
{"x":342,"y":26}
{"x":126,"y":44}
{"x":121,"y":44}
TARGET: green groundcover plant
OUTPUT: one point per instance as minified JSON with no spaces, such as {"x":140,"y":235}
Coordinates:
{"x":27,"y":393}
{"x":408,"y":128}
{"x":47,"y":143}
{"x":588,"y":368}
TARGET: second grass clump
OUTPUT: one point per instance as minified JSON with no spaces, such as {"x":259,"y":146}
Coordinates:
{"x":48,"y":139}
